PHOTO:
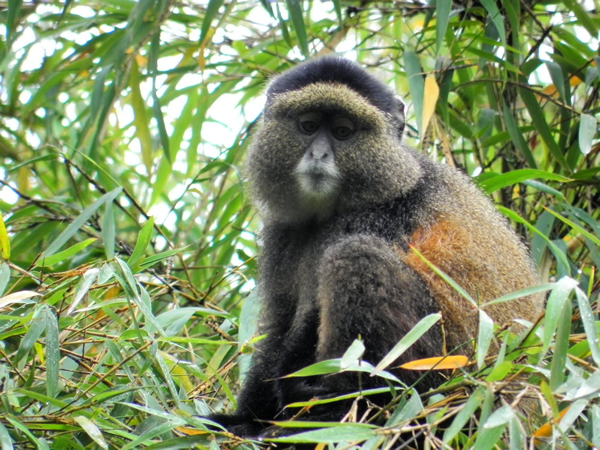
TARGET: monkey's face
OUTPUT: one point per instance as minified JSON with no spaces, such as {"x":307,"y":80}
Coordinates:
{"x":321,"y":149}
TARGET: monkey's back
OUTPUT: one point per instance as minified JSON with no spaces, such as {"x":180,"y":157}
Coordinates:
{"x":469,"y":240}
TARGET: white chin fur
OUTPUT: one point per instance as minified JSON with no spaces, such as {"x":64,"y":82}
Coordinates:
{"x":318,"y":180}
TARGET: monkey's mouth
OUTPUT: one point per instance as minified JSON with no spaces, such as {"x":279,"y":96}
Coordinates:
{"x":318,"y":180}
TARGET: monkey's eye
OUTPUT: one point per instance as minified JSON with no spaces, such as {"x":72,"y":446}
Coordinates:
{"x":309,"y":123}
{"x":342,"y":128}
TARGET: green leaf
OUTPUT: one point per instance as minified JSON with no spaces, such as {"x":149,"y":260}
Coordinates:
{"x":521,"y":293}
{"x":142,"y":243}
{"x":554,"y":310}
{"x":557,"y":252}
{"x":151,"y":260}
{"x":352,"y":356}
{"x":319,"y":368}
{"x":52,"y":348}
{"x":587,"y":130}
{"x":466,"y":413}
{"x":6,"y":442}
{"x":65,"y":254}
{"x":498,"y":181}
{"x":131,"y":288}
{"x":446,"y":278}
{"x":409,"y":411}
{"x":4,"y":242}
{"x":296,"y":16}
{"x":37,"y":326}
{"x":248,"y":326}
{"x":409,"y":339}
{"x":140,"y":118}
{"x":211,"y":11}
{"x":4,"y":276}
{"x":576,"y":227}
{"x":92,"y":430}
{"x":80,"y":221}
{"x":86,"y":282}
{"x":485,"y":335}
{"x":350,"y":433}
{"x":537,"y":117}
{"x":517,"y":137}
{"x":337,"y":4}
{"x":108,"y":230}
{"x":589,"y":324}
{"x":442,"y":14}
{"x":14,"y":11}
{"x":502,"y":416}
{"x":497,"y":18}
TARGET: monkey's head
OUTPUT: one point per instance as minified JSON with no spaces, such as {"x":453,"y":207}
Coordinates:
{"x":329,"y":142}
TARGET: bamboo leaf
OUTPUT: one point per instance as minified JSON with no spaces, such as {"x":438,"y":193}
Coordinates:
{"x":4,"y":242}
{"x":36,"y":327}
{"x":587,"y":130}
{"x":465,"y":414}
{"x":517,"y":137}
{"x":80,"y":221}
{"x":576,"y":227}
{"x":352,"y":356}
{"x":354,"y":432}
{"x":142,"y":243}
{"x":4,"y":278}
{"x":92,"y":430}
{"x":65,"y":254}
{"x":485,"y":335}
{"x":52,"y":349}
{"x":539,"y":121}
{"x":498,"y":181}
{"x":446,"y":278}
{"x":88,"y":279}
{"x":555,"y":311}
{"x":296,"y":16}
{"x":211,"y":12}
{"x":409,"y":339}
{"x":497,"y":18}
{"x":442,"y":14}
{"x":140,"y":119}
{"x":108,"y":230}
{"x":589,"y":324}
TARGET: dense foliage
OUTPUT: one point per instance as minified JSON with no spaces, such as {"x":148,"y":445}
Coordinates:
{"x":127,"y":242}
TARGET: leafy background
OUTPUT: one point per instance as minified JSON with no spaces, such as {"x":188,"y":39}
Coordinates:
{"x":127,"y":243}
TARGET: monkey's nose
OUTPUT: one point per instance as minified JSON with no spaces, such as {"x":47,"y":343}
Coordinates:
{"x":320,"y":149}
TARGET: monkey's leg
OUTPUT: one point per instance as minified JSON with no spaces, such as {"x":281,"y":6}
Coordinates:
{"x":366,"y":291}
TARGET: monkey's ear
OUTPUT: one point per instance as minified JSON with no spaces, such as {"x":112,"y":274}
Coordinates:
{"x":398,"y":114}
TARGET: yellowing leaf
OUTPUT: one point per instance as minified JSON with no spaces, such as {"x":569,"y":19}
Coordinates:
{"x":437,"y":363}
{"x":190,"y":431}
{"x":178,"y":372}
{"x":430,"y":97}
{"x":546,"y":429}
{"x":4,"y":244}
